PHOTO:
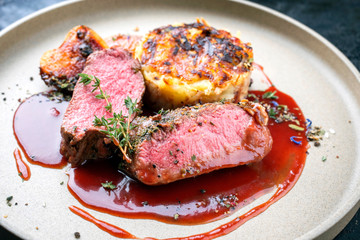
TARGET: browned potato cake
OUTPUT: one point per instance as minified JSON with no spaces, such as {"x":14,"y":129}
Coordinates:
{"x":59,"y":67}
{"x":190,"y":63}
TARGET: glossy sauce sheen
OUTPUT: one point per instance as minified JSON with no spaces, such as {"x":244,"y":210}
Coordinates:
{"x":191,"y":201}
{"x":37,"y":129}
{"x":22,"y":167}
{"x":197,"y":200}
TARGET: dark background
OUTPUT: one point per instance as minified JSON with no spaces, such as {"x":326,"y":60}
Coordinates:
{"x":336,"y":20}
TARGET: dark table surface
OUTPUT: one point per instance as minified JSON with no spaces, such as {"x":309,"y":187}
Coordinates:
{"x":337,"y":21}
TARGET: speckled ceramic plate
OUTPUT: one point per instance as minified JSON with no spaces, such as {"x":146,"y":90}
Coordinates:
{"x":300,"y":62}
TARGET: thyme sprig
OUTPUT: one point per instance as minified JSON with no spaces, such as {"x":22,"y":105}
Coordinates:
{"x":86,"y":79}
{"x":118,"y":126}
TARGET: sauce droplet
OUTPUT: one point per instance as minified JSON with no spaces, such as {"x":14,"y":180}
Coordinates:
{"x":22,"y":167}
{"x":54,"y":112}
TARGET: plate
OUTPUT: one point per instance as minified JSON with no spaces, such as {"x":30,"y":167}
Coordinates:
{"x":299,"y":61}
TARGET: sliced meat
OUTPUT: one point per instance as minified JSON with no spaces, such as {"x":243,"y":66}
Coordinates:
{"x":120,"y":78}
{"x":60,"y":67}
{"x":128,"y":42}
{"x":190,"y":141}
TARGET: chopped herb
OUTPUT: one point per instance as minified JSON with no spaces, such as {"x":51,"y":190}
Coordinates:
{"x":176,"y":162}
{"x":62,"y":183}
{"x":170,"y":152}
{"x":74,"y":128}
{"x":285,"y":107}
{"x":223,"y":100}
{"x":113,"y":38}
{"x":272,"y":113}
{"x":144,"y":203}
{"x":324,"y":158}
{"x":296,"y":127}
{"x":176,"y":216}
{"x":270,"y":95}
{"x":212,"y":123}
{"x":163,"y":112}
{"x":294,"y":141}
{"x":108,"y":185}
{"x":8,"y":200}
{"x":251,"y":95}
{"x":193,"y":157}
{"x":202,"y":191}
{"x":20,"y":174}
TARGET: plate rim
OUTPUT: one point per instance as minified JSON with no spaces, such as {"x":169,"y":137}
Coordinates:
{"x":353,"y":203}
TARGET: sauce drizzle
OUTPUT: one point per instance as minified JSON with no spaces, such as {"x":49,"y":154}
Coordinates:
{"x":107,"y":227}
{"x":261,"y":69}
{"x":22,"y":167}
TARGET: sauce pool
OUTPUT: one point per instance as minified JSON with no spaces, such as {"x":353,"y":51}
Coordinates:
{"x":192,"y":201}
{"x":37,"y":130}
{"x":225,"y":190}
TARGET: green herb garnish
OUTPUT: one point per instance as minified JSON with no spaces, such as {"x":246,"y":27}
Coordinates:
{"x":285,"y":107}
{"x":108,"y":185}
{"x":117,"y":127}
{"x":251,"y":95}
{"x":8,"y":200}
{"x":163,"y":112}
{"x":296,"y":127}
{"x":270,"y":95}
{"x":193,"y":157}
{"x":87,"y":79}
{"x":272,"y":113}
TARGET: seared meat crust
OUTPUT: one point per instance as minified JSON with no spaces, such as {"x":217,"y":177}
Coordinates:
{"x":190,"y":141}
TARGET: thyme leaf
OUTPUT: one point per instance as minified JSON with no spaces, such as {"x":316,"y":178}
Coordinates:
{"x":108,"y":185}
{"x":270,"y":95}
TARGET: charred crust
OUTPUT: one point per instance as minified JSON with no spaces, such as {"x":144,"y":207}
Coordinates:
{"x":215,"y":47}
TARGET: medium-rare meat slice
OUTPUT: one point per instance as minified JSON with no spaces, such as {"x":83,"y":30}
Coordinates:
{"x":60,"y":67}
{"x":120,"y":78}
{"x":195,"y":140}
{"x":128,"y":42}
